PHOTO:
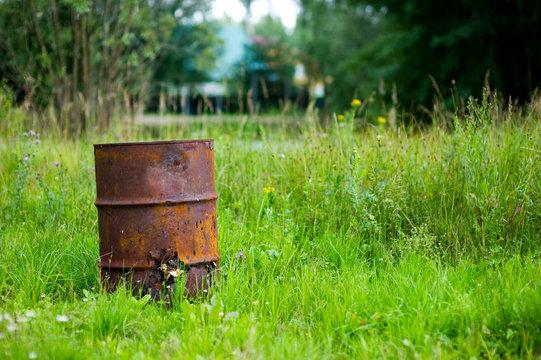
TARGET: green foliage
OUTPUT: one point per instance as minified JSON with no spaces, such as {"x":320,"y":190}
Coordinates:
{"x":332,"y":36}
{"x":465,"y":41}
{"x":267,"y":69}
{"x":423,"y":48}
{"x":75,"y":57}
{"x":187,"y":57}
{"x":358,"y":242}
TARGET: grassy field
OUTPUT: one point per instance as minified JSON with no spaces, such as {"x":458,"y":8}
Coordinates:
{"x":360,"y":240}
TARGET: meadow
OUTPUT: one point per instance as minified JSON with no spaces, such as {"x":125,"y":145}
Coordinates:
{"x":354,"y":239}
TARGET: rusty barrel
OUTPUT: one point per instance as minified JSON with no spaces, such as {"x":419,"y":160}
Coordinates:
{"x":157,"y":215}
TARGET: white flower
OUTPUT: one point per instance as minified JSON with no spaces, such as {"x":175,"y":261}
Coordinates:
{"x":62,"y":318}
{"x":32,"y":355}
{"x":11,"y":327}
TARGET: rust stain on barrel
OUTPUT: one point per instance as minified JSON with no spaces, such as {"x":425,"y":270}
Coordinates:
{"x":156,"y":201}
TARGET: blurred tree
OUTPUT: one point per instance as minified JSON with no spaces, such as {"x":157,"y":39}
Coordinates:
{"x":186,"y":58}
{"x":332,"y":36}
{"x":418,"y":45}
{"x":269,"y":64}
{"x":464,"y":41}
{"x":85,"y":58}
{"x":247,"y":5}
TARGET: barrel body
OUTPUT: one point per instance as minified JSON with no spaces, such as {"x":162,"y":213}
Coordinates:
{"x":156,"y":212}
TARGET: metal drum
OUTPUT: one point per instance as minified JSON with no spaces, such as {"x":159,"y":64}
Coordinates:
{"x":157,"y":215}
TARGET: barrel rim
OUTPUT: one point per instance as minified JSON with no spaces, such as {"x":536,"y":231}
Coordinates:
{"x":166,"y":142}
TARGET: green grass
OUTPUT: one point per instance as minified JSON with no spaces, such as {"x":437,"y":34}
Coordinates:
{"x":414,"y":244}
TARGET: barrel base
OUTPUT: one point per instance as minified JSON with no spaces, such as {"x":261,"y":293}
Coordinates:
{"x":161,"y":284}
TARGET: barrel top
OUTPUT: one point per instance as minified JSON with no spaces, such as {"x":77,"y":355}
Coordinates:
{"x":166,"y":142}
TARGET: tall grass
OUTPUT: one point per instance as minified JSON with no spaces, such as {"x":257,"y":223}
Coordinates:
{"x":369,"y":241}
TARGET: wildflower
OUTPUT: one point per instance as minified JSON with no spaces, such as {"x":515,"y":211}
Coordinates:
{"x":353,"y":316}
{"x":340,"y":117}
{"x":221,"y":314}
{"x":26,"y":158}
{"x":371,"y":217}
{"x":355,"y":103}
{"x":11,"y":327}
{"x":25,"y":134}
{"x":30,"y":314}
{"x":406,"y":342}
{"x":62,"y":318}
{"x":378,"y":316}
{"x":363,"y":322}
{"x":382,"y":120}
{"x":232,"y":315}
{"x":240,"y":256}
{"x":32,"y":355}
{"x":268,"y":189}
{"x":56,"y":163}
{"x":37,"y":141}
{"x":31,"y":133}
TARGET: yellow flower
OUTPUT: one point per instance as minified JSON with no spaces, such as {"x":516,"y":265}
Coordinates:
{"x":268,"y":189}
{"x":363,"y":322}
{"x":379,"y":137}
{"x":355,"y":103}
{"x":382,"y":120}
{"x":378,"y":316}
{"x":340,"y":117}
{"x":354,"y":316}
